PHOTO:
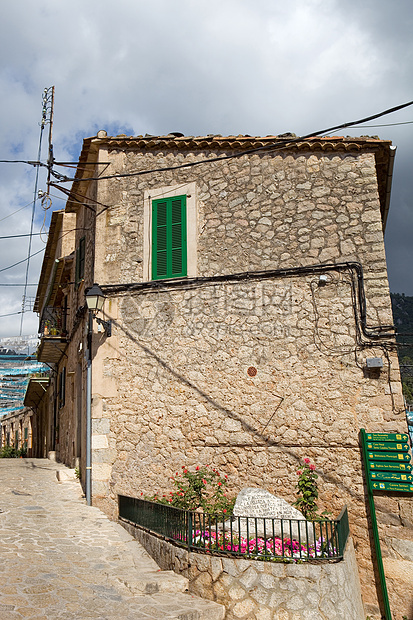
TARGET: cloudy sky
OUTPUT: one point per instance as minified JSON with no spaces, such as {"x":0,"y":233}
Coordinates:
{"x":195,"y":66}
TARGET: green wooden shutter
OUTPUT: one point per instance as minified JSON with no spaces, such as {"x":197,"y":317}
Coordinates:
{"x":169,"y":238}
{"x":82,"y":248}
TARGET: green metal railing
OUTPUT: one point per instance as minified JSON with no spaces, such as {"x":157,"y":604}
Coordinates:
{"x":252,"y":537}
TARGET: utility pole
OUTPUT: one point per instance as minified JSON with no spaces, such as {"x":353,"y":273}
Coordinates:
{"x":47,"y":119}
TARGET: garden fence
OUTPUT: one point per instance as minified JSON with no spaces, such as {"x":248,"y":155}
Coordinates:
{"x":247,"y":537}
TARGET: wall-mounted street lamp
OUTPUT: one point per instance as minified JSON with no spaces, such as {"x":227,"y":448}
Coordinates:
{"x":94,"y":300}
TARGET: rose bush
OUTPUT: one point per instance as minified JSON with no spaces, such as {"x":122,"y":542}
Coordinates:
{"x":307,"y":491}
{"x":204,"y":488}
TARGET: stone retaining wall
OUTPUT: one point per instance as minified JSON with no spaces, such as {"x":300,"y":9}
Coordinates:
{"x":255,"y":590}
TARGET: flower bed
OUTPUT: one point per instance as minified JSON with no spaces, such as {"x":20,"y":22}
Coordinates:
{"x":275,"y":547}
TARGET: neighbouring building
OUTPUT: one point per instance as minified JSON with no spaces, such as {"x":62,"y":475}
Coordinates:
{"x":17,"y":371}
{"x":246,"y":283}
{"x":16,"y":431}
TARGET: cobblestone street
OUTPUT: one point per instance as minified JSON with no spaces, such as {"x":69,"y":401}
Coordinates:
{"x":63,"y":559}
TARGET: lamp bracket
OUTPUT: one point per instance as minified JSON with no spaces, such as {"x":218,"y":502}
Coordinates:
{"x":107,"y":325}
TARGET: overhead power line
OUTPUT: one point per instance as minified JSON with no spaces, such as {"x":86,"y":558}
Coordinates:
{"x":268,"y":147}
{"x":22,"y":161}
{"x":14,"y":212}
{"x":384,"y":125}
{"x":22,"y":261}
{"x":10,"y":314}
{"x":16,"y":236}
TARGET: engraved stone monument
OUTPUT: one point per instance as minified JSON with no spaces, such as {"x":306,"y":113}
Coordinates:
{"x":255,"y":510}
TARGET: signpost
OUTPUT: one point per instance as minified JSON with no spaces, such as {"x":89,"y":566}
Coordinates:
{"x":387,"y":465}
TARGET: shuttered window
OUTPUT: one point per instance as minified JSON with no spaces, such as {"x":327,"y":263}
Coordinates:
{"x":80,"y":262}
{"x":62,"y":387}
{"x":169,"y":238}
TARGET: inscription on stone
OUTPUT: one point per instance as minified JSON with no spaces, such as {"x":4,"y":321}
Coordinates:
{"x":255,"y":510}
{"x":261,"y":503}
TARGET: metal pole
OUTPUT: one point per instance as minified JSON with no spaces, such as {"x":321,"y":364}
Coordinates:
{"x":89,"y":412}
{"x":376,"y":537}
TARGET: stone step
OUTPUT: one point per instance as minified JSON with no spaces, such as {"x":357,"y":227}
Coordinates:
{"x":161,"y":581}
{"x":180,"y":606}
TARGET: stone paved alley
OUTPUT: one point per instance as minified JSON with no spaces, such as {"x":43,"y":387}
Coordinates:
{"x":62,"y":559}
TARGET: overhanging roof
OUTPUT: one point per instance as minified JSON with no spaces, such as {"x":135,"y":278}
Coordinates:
{"x":51,"y":349}
{"x":35,"y":391}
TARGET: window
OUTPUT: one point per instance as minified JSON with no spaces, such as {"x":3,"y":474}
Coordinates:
{"x":80,"y":262}
{"x":170,"y":232}
{"x":62,"y":388}
{"x":169,"y":238}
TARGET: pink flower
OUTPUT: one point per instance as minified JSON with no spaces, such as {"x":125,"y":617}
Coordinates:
{"x":219,"y":484}
{"x":299,"y":473}
{"x":312,"y":467}
{"x":197,"y":468}
{"x":185,"y":471}
{"x":203,"y":481}
{"x":306,"y":461}
{"x":224,"y":510}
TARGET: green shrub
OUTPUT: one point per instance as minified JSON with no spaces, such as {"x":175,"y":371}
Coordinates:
{"x":8,"y":452}
{"x":307,"y":491}
{"x":203,"y":488}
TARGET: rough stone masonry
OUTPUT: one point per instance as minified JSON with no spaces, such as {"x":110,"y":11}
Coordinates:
{"x":249,"y":375}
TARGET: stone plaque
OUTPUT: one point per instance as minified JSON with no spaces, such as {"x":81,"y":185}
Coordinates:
{"x":255,"y":510}
{"x":261,"y":503}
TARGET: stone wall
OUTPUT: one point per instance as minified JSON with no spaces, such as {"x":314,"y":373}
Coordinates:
{"x":257,"y":590}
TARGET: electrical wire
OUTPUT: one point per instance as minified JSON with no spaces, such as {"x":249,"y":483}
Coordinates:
{"x":16,"y":236}
{"x":17,"y":284}
{"x":14,"y":212}
{"x":372,"y":333}
{"x":22,"y":261}
{"x":278,"y":145}
{"x":384,"y":125}
{"x":11,"y":314}
{"x":22,"y":161}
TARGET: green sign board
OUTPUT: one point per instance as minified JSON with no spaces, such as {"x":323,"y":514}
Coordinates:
{"x":394,"y":476}
{"x":387,"y":461}
{"x":388,"y":445}
{"x":387,"y":437}
{"x":388,"y":456}
{"x":386,"y":466}
{"x":392,"y":486}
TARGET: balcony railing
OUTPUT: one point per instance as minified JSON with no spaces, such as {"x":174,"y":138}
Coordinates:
{"x":53,"y":322}
{"x":53,"y":335}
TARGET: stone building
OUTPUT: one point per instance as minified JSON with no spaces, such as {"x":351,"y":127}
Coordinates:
{"x":16,"y":430}
{"x":246,"y":283}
